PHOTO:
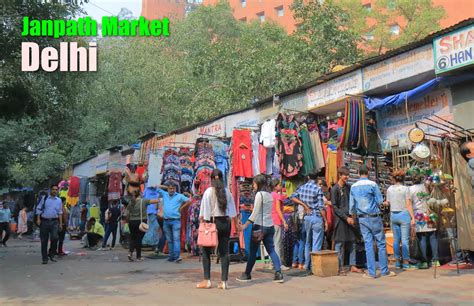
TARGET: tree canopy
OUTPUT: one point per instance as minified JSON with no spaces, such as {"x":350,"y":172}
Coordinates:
{"x":210,"y":64}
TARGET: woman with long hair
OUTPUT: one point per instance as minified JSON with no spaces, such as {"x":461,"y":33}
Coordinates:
{"x":136,"y":214}
{"x":261,"y":218}
{"x":217,"y":206}
{"x":401,"y":217}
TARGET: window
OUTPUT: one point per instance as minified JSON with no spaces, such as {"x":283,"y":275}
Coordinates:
{"x":243,"y":3}
{"x":280,"y":11}
{"x":261,"y":16}
{"x":368,"y":7}
{"x":369,"y":36}
{"x":395,"y":29}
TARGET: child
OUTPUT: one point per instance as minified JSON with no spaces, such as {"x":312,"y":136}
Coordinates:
{"x":22,"y":223}
{"x":279,"y":222}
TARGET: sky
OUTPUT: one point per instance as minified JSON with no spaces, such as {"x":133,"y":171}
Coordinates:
{"x":98,"y":8}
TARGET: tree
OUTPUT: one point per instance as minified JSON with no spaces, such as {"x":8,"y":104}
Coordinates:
{"x":389,"y":24}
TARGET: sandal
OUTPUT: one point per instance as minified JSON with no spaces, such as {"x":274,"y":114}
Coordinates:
{"x":354,"y":269}
{"x":342,"y":273}
{"x":205,"y":284}
{"x":223,"y":285}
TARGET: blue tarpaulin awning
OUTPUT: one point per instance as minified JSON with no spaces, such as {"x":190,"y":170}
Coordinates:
{"x":373,"y":102}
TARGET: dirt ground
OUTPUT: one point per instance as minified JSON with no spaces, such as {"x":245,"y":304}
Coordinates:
{"x":86,"y":277}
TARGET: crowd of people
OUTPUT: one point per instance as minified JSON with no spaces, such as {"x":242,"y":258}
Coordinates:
{"x":355,"y":209}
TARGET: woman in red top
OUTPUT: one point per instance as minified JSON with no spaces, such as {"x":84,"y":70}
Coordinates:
{"x":279,"y":222}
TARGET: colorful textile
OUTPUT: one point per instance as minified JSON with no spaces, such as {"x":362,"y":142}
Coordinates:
{"x":317,"y":150}
{"x":354,"y":136}
{"x":309,"y":164}
{"x":242,"y":153}
{"x":288,"y":145}
{"x":74,"y":186}
{"x":331,"y":168}
{"x":193,"y":222}
{"x":115,"y":186}
{"x":262,"y":158}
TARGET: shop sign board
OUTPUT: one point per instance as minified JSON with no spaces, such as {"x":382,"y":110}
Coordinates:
{"x":393,"y":124}
{"x":102,"y":163}
{"x":166,"y":141}
{"x":215,"y":128}
{"x":296,"y":101}
{"x":186,"y":137}
{"x":246,"y":118}
{"x":454,"y":50}
{"x":335,"y":89}
{"x":397,"y":68}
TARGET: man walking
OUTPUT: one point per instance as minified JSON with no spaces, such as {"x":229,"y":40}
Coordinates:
{"x":49,"y":212}
{"x":173,"y":203}
{"x":5,"y":217}
{"x":364,"y":203}
{"x":310,"y":196}
{"x":111,"y":224}
{"x":345,"y":226}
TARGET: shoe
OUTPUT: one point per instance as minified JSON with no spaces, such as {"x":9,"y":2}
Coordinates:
{"x":101,"y":249}
{"x":45,"y":261}
{"x":424,"y":265}
{"x":140,"y":259}
{"x":390,"y":274}
{"x":244,"y":278}
{"x":205,"y":284}
{"x":51,"y":257}
{"x":130,"y":256}
{"x":435,"y":263}
{"x":111,"y":248}
{"x":409,"y":267}
{"x":223,"y":285}
{"x":294,"y":265}
{"x":301,"y":267}
{"x":178,"y":260}
{"x":368,"y":276}
{"x":4,"y":244}
{"x":284,"y":268}
{"x":398,"y":265}
{"x":278,"y":278}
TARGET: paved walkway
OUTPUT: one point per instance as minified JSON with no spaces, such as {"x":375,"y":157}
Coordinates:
{"x":96,"y":277}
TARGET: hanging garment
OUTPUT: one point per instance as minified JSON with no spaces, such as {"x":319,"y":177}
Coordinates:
{"x":317,"y":150}
{"x":255,"y":154}
{"x":331,"y":168}
{"x":152,"y":236}
{"x":74,"y":186}
{"x":267,"y":136}
{"x":289,"y":238}
{"x":221,"y":157}
{"x":242,"y":153}
{"x":262,"y":158}
{"x":193,"y":221}
{"x":115,"y":186}
{"x":354,"y":135}
{"x":309,"y":165}
{"x":155,"y":165}
{"x":288,"y":145}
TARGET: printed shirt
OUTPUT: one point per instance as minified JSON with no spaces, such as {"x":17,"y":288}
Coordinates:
{"x":53,"y":207}
{"x":5,"y":215}
{"x":312,"y":195}
{"x":172,"y":204}
{"x":365,"y":198}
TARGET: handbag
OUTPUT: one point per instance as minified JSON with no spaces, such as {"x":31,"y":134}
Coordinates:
{"x":415,"y":249}
{"x":207,"y":232}
{"x":257,"y":234}
{"x":143,"y":227}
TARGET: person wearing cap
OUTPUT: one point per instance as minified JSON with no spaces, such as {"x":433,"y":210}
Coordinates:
{"x":364,"y":201}
{"x":173,"y":203}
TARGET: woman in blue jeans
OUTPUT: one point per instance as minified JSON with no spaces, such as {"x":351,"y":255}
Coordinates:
{"x":401,"y":217}
{"x":261,"y":218}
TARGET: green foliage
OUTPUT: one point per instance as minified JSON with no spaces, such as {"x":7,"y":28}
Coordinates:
{"x":415,"y":18}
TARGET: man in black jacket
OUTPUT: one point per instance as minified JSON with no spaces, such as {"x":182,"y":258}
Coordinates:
{"x":345,"y":228}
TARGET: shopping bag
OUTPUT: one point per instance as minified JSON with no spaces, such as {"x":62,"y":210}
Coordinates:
{"x":415,"y":248}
